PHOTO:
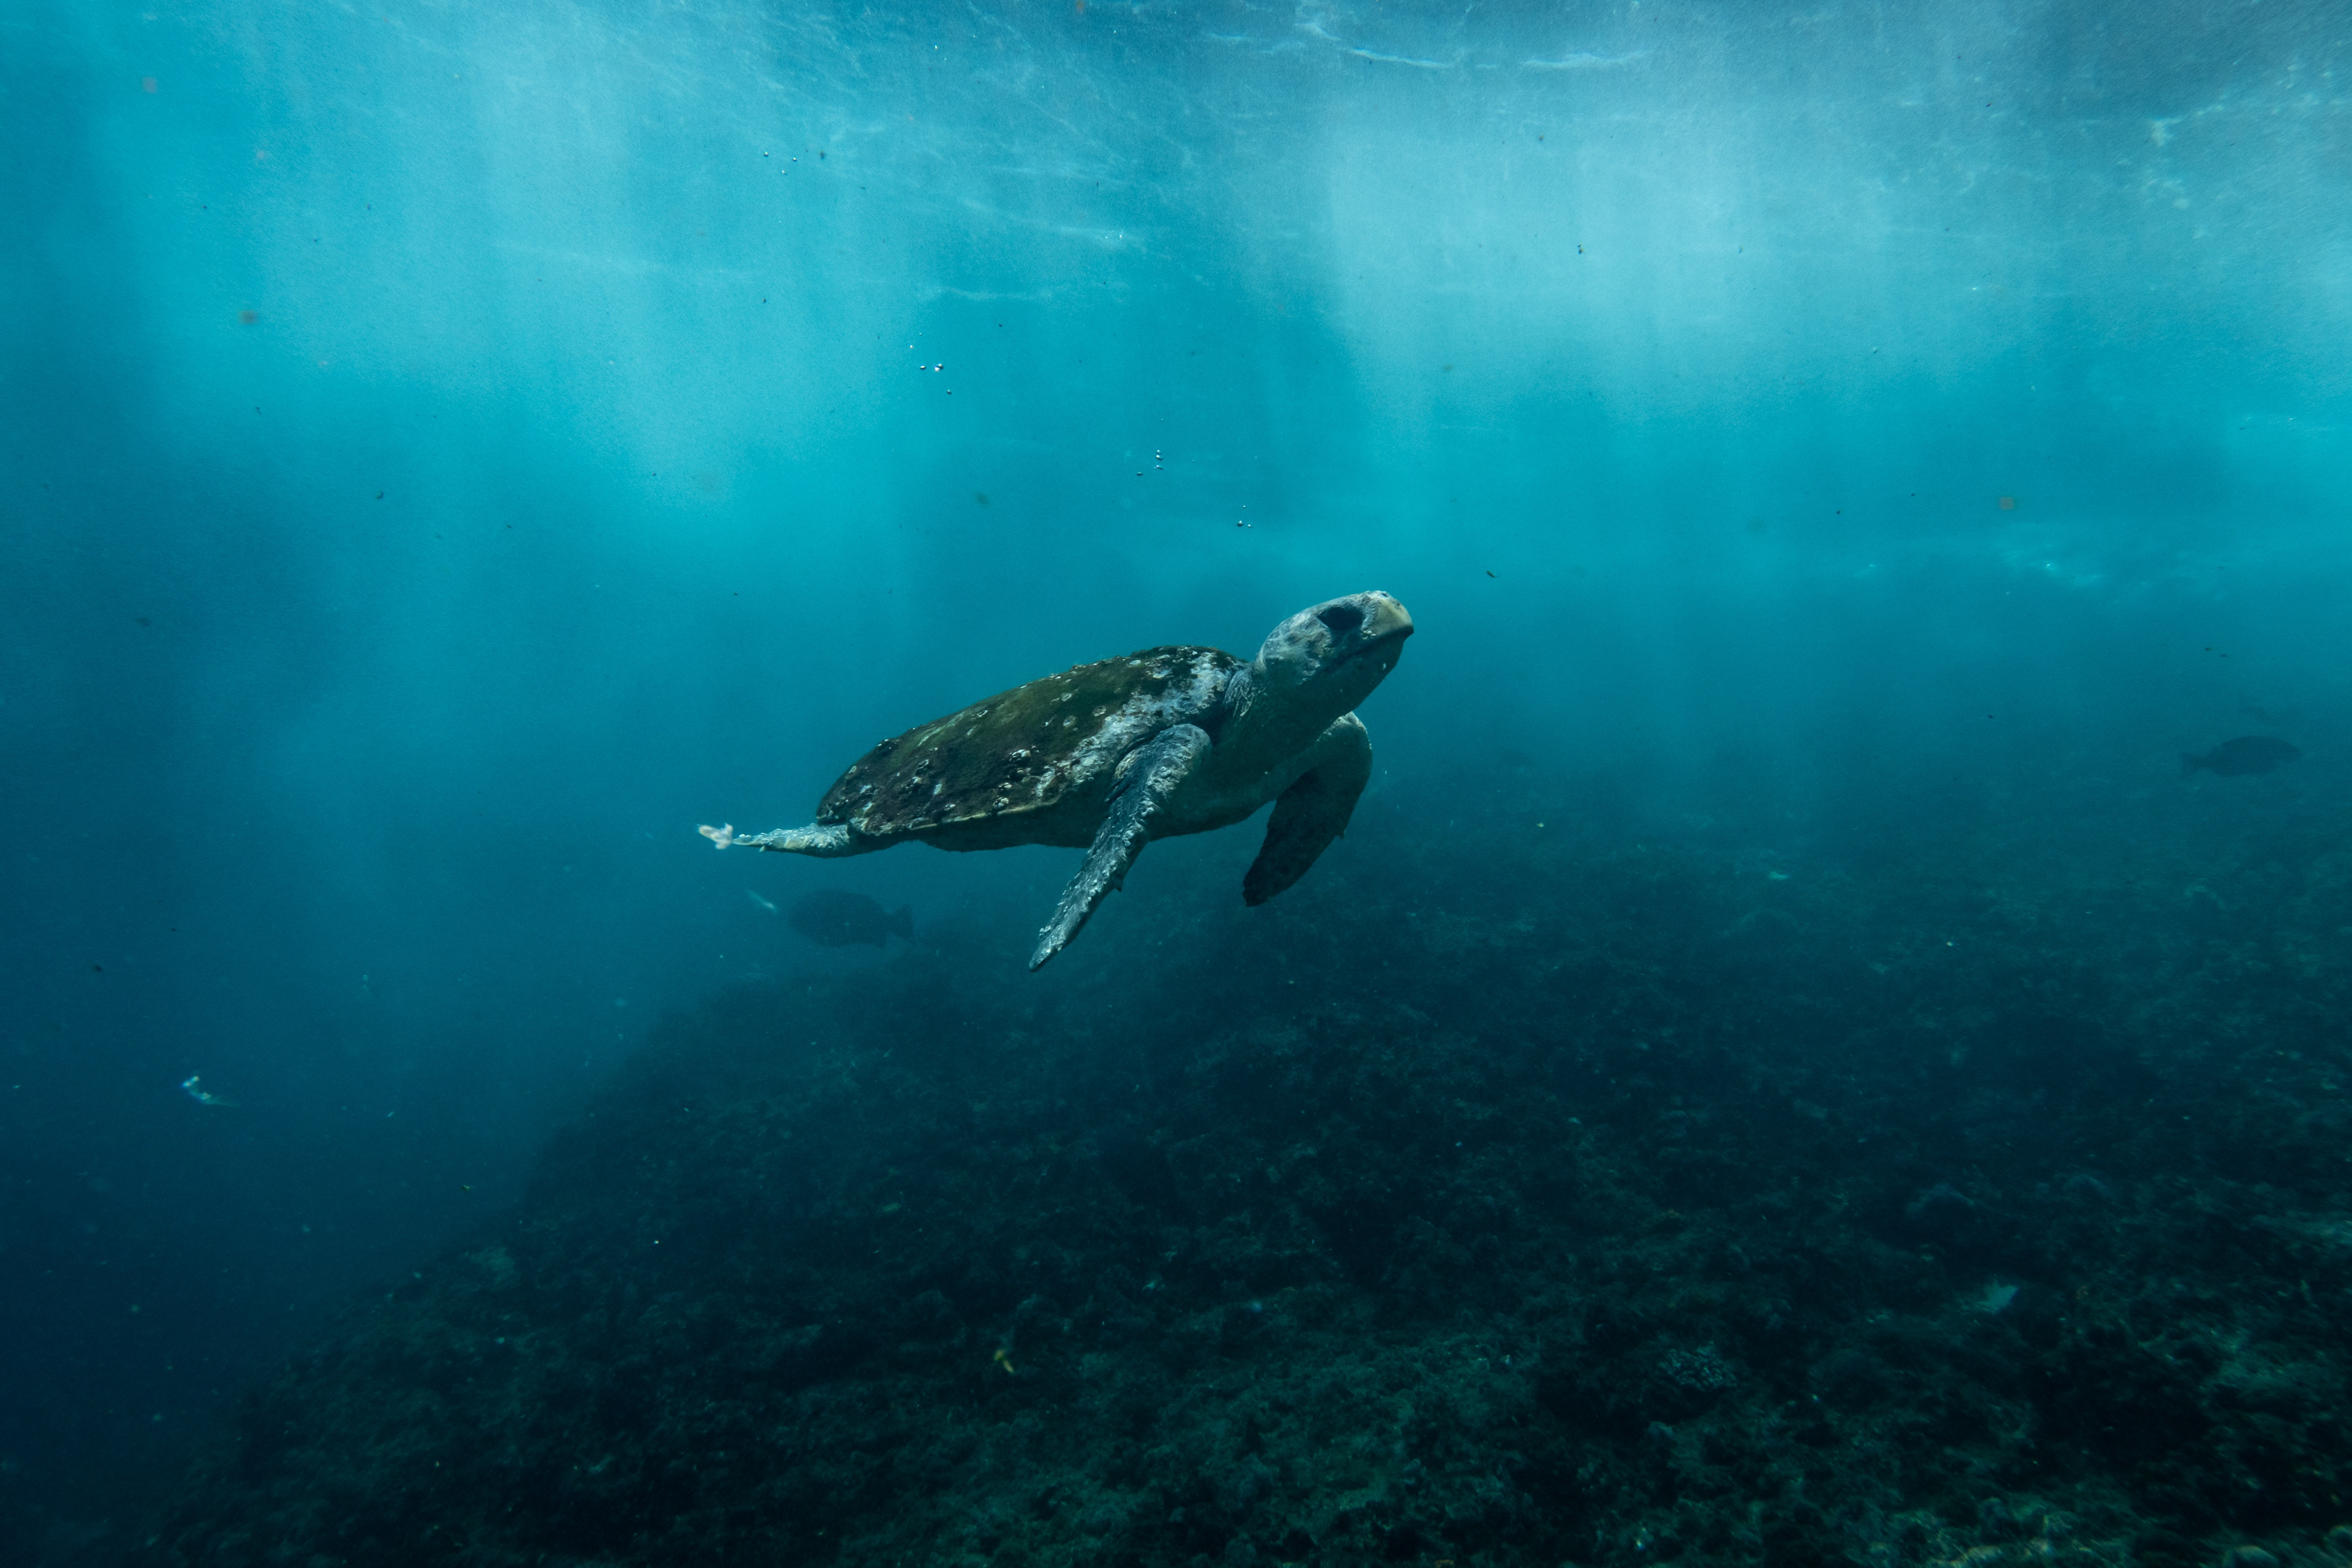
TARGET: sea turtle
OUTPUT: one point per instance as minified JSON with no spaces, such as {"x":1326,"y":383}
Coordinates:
{"x":1113,"y":755}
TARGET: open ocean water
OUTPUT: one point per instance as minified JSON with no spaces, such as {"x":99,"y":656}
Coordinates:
{"x":1825,"y":1040}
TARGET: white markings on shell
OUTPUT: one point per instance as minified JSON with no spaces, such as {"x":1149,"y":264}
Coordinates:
{"x":1187,"y":695}
{"x":1175,"y":690}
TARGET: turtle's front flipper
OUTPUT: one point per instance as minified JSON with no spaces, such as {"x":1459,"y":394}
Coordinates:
{"x":1313,"y":811}
{"x":1149,"y":777}
{"x":826,"y":840}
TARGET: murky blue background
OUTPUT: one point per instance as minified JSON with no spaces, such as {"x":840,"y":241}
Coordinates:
{"x":447,"y":451}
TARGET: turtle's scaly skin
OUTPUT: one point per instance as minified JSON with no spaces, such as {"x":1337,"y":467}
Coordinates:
{"x":1001,"y":771}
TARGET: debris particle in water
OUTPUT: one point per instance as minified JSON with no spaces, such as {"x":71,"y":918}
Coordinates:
{"x":195,"y":1089}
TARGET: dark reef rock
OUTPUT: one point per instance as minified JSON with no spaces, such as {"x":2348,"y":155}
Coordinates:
{"x":1537,"y":1224}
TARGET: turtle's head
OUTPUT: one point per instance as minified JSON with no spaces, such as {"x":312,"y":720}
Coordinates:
{"x":1324,"y":660}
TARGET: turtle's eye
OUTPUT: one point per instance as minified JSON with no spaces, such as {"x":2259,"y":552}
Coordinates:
{"x":1341,"y":618}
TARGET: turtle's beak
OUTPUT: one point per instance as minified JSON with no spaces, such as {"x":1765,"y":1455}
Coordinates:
{"x":1384,"y":617}
{"x":1362,"y":624}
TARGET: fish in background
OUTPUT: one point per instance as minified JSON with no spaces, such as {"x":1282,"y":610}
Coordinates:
{"x":2246,"y":754}
{"x":832,"y":917}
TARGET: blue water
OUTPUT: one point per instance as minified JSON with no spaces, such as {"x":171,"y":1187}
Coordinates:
{"x":450,"y":452}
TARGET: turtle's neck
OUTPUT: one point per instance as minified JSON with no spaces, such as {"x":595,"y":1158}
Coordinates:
{"x":1261,"y":726}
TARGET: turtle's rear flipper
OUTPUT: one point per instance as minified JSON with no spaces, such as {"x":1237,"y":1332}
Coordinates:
{"x":1152,"y":775}
{"x":1313,"y":811}
{"x":824,"y":840}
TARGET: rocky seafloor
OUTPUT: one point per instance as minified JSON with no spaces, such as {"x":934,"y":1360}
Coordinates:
{"x":1591,"y":1202}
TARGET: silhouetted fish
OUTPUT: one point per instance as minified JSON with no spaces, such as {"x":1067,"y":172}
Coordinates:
{"x":832,"y":917}
{"x":2246,"y":754}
